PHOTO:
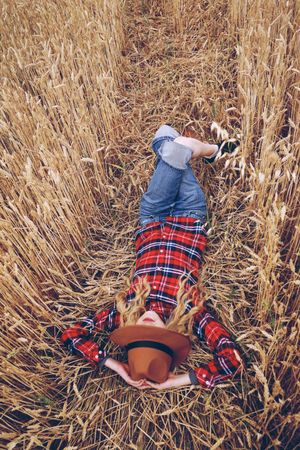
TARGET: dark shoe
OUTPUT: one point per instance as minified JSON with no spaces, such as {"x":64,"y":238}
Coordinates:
{"x":223,"y":147}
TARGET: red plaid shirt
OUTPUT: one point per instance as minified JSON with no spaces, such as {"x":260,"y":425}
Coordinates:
{"x":164,"y":252}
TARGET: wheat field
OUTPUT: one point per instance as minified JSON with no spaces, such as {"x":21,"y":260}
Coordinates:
{"x":84,"y":87}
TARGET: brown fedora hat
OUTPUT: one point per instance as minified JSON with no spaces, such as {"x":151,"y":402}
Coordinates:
{"x":152,"y":351}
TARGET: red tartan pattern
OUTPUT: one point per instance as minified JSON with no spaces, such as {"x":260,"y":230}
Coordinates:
{"x":164,"y":252}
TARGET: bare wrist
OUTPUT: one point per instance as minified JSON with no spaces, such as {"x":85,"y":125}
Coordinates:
{"x":109,"y":362}
{"x":186,"y":378}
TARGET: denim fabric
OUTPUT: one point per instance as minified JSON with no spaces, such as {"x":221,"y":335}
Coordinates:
{"x":172,"y":191}
{"x":175,"y":154}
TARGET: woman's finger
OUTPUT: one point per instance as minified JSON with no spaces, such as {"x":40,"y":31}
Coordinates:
{"x":140,"y":381}
{"x":133,"y":382}
{"x":143,"y":386}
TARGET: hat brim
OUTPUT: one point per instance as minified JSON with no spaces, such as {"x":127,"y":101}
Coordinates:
{"x":178,"y":342}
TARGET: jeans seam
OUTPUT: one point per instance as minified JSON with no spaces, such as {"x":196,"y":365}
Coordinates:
{"x":162,"y":138}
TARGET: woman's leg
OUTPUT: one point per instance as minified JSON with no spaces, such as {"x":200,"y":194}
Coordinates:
{"x":165,"y":182}
{"x":164,"y":133}
{"x":190,"y":199}
{"x":168,"y":133}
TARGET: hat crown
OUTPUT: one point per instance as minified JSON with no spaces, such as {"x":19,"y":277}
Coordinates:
{"x":168,"y":347}
{"x":149,"y":363}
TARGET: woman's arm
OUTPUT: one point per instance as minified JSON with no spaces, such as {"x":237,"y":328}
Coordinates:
{"x":79,"y":337}
{"x":227,"y":357}
{"x":79,"y":340}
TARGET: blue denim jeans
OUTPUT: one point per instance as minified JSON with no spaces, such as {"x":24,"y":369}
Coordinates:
{"x":173,"y":189}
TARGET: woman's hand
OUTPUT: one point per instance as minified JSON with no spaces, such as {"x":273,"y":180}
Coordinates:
{"x":122,"y":369}
{"x":172,"y":381}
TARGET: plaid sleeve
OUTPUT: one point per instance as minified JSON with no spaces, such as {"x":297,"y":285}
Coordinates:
{"x":225,"y":363}
{"x":79,"y":337}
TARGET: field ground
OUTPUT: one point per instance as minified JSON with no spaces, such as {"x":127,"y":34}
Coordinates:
{"x":85,"y":85}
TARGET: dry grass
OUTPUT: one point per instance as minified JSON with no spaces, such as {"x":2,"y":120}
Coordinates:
{"x":84,"y":87}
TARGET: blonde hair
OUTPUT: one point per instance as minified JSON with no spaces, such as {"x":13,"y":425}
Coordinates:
{"x":179,"y":320}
